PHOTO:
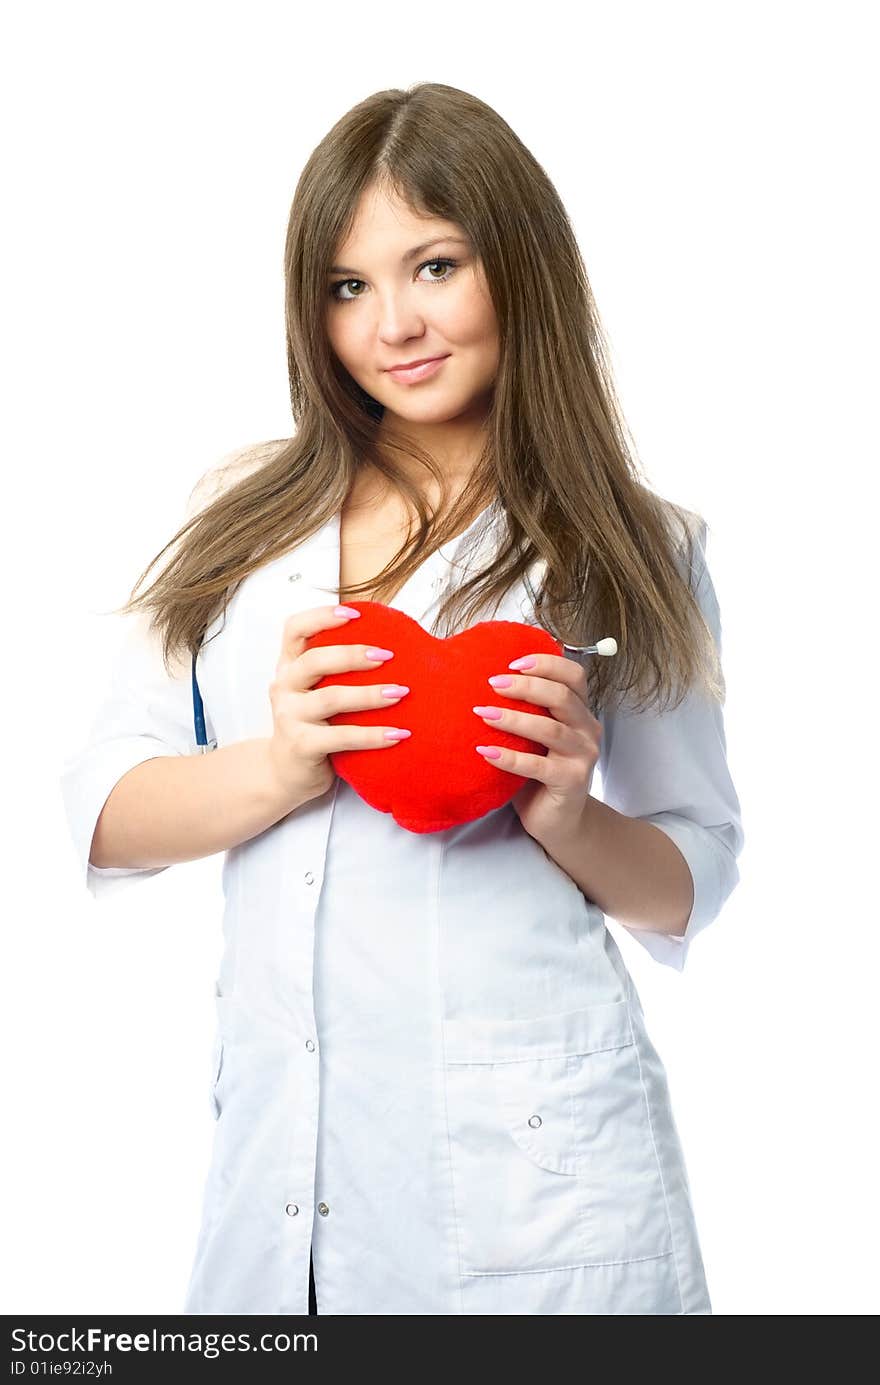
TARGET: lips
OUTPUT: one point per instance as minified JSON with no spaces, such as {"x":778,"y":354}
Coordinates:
{"x":415,"y":374}
{"x":409,"y":365}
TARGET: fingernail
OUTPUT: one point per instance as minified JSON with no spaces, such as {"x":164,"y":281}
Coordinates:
{"x":527,"y":661}
{"x":397,"y":735}
{"x":395,"y":690}
{"x":489,"y":751}
{"x":501,"y":680}
{"x":493,"y":713}
{"x":375,"y":653}
{"x":345,"y":611}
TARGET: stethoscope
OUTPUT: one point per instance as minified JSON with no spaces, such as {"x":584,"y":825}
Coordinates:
{"x":604,"y":648}
{"x":202,"y":742}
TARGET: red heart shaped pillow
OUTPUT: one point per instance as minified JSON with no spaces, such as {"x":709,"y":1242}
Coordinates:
{"x":434,"y":779}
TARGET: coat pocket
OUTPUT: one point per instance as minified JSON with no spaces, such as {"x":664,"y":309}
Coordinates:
{"x":552,"y":1153}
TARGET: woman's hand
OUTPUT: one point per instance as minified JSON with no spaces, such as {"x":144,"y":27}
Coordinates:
{"x":302,"y":739}
{"x":552,"y":804}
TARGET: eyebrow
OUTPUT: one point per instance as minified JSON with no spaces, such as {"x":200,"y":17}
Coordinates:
{"x":410,"y":254}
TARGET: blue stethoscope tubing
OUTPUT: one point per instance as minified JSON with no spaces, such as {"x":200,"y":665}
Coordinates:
{"x":202,"y":743}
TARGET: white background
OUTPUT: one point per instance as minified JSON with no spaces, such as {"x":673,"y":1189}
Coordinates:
{"x":718,"y":162}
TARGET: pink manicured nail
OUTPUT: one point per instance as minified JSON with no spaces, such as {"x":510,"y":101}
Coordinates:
{"x":500,"y":680}
{"x":493,"y":713}
{"x":527,"y":661}
{"x":375,"y":653}
{"x":489,"y":751}
{"x":395,"y":690}
{"x":345,"y":611}
{"x":397,"y":735}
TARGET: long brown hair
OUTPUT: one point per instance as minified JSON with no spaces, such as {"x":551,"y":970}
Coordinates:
{"x":616,"y":558}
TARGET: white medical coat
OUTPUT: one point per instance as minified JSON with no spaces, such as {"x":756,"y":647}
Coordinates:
{"x":430,"y":1060}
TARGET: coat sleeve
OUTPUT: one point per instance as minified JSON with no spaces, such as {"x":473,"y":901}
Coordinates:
{"x":143,"y":713}
{"x":670,"y":768}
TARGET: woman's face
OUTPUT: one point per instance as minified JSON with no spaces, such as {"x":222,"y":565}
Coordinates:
{"x":387,"y":306}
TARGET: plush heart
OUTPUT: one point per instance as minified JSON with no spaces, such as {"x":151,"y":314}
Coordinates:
{"x":434,"y":779}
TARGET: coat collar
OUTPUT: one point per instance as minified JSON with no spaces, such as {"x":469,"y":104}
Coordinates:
{"x":309,"y":574}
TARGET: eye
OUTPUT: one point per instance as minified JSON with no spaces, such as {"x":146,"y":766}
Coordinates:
{"x":452,"y":265}
{"x":429,"y":264}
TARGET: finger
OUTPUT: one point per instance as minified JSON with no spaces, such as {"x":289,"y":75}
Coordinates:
{"x":301,"y":624}
{"x":555,"y":666}
{"x":518,"y":762}
{"x":330,"y":740}
{"x":335,"y":699}
{"x":566,"y":703}
{"x":300,"y":670}
{"x":556,"y":735}
{"x":308,"y":668}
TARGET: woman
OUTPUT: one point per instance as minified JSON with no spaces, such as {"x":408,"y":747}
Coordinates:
{"x":432,"y":1077}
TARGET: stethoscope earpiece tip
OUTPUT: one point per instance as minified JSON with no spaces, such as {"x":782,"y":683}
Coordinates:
{"x":606,"y":647}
